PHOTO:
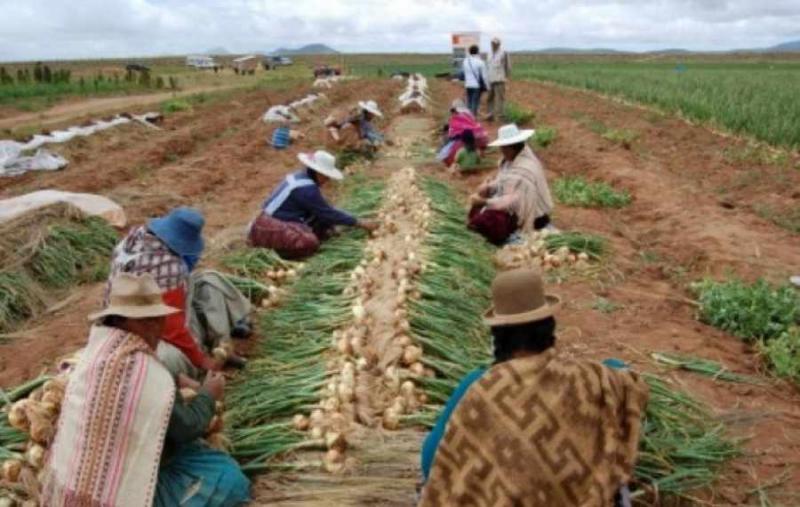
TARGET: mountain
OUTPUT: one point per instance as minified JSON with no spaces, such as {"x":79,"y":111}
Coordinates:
{"x":310,"y":49}
{"x":575,"y":51}
{"x":217,"y":51}
{"x":785,"y":47}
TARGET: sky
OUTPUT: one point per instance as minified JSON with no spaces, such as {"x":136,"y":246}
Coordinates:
{"x":62,"y":29}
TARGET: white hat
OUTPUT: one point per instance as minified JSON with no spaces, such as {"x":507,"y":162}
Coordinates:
{"x":370,"y":106}
{"x":322,"y":162}
{"x":511,"y":134}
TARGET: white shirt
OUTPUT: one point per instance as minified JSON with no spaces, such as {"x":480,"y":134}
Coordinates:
{"x":473,"y":67}
{"x":498,"y":65}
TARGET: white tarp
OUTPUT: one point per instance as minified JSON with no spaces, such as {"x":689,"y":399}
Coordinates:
{"x":91,"y":204}
{"x":15,"y":157}
{"x":283,"y":113}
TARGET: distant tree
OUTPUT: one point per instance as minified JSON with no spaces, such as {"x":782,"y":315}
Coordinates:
{"x":47,"y":74}
{"x":5,"y":78}
{"x":159,"y":82}
{"x":173,"y":82}
{"x":82,"y":83}
{"x":37,"y":72}
{"x":129,"y":77}
{"x":144,"y":79}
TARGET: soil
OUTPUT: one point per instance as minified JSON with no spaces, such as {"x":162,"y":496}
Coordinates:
{"x":695,"y":213}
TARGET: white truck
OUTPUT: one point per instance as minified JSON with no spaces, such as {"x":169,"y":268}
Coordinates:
{"x":201,"y":62}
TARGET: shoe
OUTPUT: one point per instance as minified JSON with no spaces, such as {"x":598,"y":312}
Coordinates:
{"x":237,"y":362}
{"x":241,"y":330}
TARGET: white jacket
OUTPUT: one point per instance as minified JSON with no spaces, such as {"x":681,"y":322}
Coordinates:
{"x":473,"y":67}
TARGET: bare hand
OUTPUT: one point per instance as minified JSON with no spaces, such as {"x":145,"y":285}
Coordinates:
{"x":476,"y":200}
{"x":215,"y":385}
{"x":211,"y":364}
{"x":184,"y":381}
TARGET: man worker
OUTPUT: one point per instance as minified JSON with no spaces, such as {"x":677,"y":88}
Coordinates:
{"x":499,"y":72}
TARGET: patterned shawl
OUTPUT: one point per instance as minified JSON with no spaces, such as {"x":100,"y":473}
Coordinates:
{"x":522,"y":186}
{"x":112,"y":426}
{"x":540,"y":431}
{"x":142,"y":252}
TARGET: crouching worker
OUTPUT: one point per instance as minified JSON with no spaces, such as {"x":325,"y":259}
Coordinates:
{"x":125,"y":435}
{"x":168,"y":248}
{"x":357,"y":124}
{"x":535,"y":428}
{"x":517,"y":197}
{"x":295,"y":218}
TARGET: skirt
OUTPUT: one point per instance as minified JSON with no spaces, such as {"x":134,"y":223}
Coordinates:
{"x":291,"y":240}
{"x":198,"y":476}
{"x":495,"y":225}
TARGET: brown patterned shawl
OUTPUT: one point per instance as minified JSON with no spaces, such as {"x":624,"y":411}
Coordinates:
{"x":540,"y":431}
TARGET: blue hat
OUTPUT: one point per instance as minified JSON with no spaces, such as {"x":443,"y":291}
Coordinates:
{"x":181,"y":230}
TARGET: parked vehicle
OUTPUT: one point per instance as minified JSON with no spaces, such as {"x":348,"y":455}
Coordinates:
{"x":273,"y":62}
{"x":137,"y":67}
{"x":326,"y":71}
{"x":245,"y":64}
{"x":201,"y":62}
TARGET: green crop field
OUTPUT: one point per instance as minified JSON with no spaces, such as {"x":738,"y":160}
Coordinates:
{"x":759,"y":99}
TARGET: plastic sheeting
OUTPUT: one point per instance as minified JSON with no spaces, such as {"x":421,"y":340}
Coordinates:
{"x":288,"y":112}
{"x":90,"y":204}
{"x":15,"y":157}
{"x":415,"y":97}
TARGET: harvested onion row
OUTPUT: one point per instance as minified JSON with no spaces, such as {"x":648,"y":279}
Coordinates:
{"x":535,"y":251}
{"x":373,"y":353}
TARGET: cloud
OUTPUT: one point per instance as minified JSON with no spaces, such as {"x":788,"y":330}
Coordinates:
{"x":44,"y":29}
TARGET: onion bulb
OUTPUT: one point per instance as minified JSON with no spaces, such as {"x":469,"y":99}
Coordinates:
{"x":11,"y":470}
{"x":35,"y":456}
{"x":334,"y":440}
{"x":334,"y":461}
{"x":346,"y":393}
{"x":17,"y":416}
{"x":344,"y":347}
{"x":359,"y":312}
{"x":317,"y":433}
{"x":411,"y":355}
{"x":404,"y":340}
{"x":317,"y":417}
{"x":220,"y":354}
{"x":300,"y":422}
{"x":407,"y":388}
{"x":391,"y":419}
{"x":417,"y":369}
{"x":583,"y":256}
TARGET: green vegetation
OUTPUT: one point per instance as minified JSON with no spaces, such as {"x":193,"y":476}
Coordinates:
{"x":577,"y":242}
{"x":702,"y":366}
{"x":758,"y":99}
{"x":760,"y":314}
{"x":543,"y":137}
{"x":175,"y":105}
{"x":789,"y":219}
{"x":605,"y":305}
{"x":515,"y":113}
{"x":576,"y":191}
{"x":624,"y":137}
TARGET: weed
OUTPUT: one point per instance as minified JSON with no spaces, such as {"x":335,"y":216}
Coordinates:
{"x":756,"y":153}
{"x":175,"y":106}
{"x":543,"y":137}
{"x":576,"y":191}
{"x":514,"y":113}
{"x":606,"y":306}
{"x":783,"y":354}
{"x":650,"y":257}
{"x":750,"y":312}
{"x":625,"y":137}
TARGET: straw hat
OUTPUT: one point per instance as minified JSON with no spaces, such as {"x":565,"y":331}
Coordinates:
{"x":181,"y":230}
{"x":370,"y":106}
{"x":511,"y":134}
{"x":322,"y":162}
{"x":518,"y":297}
{"x":135,"y":297}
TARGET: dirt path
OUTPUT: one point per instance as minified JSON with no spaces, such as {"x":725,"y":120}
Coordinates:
{"x":80,"y":108}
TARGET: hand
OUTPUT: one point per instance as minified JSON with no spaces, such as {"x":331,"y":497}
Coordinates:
{"x":476,"y":200}
{"x":368,"y":225}
{"x":211,"y":364}
{"x":184,"y":381}
{"x":215,"y":385}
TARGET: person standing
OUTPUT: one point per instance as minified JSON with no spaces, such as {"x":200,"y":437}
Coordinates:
{"x":499,"y":72}
{"x":474,"y":79}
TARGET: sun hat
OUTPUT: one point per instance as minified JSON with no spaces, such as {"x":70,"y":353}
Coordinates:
{"x":371,"y":107}
{"x":518,"y":297}
{"x":135,"y":297}
{"x":511,"y":134}
{"x":322,"y":162}
{"x":181,"y":229}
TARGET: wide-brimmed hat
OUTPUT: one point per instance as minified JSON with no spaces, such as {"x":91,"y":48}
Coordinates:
{"x":458,"y":106}
{"x":322,"y":162}
{"x":370,"y":106}
{"x":181,"y":229}
{"x":518,"y":297}
{"x":511,"y":134}
{"x":135,"y":297}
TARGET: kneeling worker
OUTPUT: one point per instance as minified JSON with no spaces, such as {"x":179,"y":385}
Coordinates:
{"x":295,"y":218}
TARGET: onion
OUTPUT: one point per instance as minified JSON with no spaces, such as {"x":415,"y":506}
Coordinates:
{"x":188,"y":394}
{"x":346,"y":393}
{"x":359,"y":312}
{"x":417,"y":369}
{"x":583,"y":256}
{"x":407,"y":388}
{"x":404,"y":340}
{"x":291,"y":273}
{"x":271,"y":274}
{"x":41,"y":419}
{"x":220,"y":354}
{"x":300,"y":422}
{"x":399,"y":405}
{"x":411,"y":354}
{"x":35,"y":456}
{"x":391,"y":419}
{"x":336,"y":441}
{"x":317,"y":433}
{"x":11,"y":470}
{"x":362,"y":363}
{"x":404,"y":325}
{"x":334,"y":461}
{"x":331,"y":404}
{"x":266,"y":303}
{"x":17,"y":416}
{"x":317,"y":417}
{"x":343,"y":345}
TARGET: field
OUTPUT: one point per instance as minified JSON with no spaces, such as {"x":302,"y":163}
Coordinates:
{"x":665,"y":207}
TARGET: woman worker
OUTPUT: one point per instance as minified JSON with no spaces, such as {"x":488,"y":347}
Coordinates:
{"x":517,"y":197}
{"x":535,"y":428}
{"x":360,"y":121}
{"x":295,"y":218}
{"x":125,"y":434}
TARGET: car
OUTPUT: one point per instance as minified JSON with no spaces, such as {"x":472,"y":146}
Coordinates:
{"x":326,"y":71}
{"x":273,"y":62}
{"x":137,"y":67}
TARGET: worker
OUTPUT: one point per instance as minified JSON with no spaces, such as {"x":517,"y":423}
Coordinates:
{"x":535,"y":428}
{"x":295,"y":218}
{"x":125,"y":434}
{"x":169,"y":248}
{"x":280,"y":114}
{"x":517,"y":198}
{"x":358,"y":122}
{"x":499,"y":70}
{"x":475,"y":79}
{"x":461,"y":124}
{"x":283,"y":136}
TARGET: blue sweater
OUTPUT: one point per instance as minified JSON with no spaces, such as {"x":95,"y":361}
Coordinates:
{"x":306,"y":205}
